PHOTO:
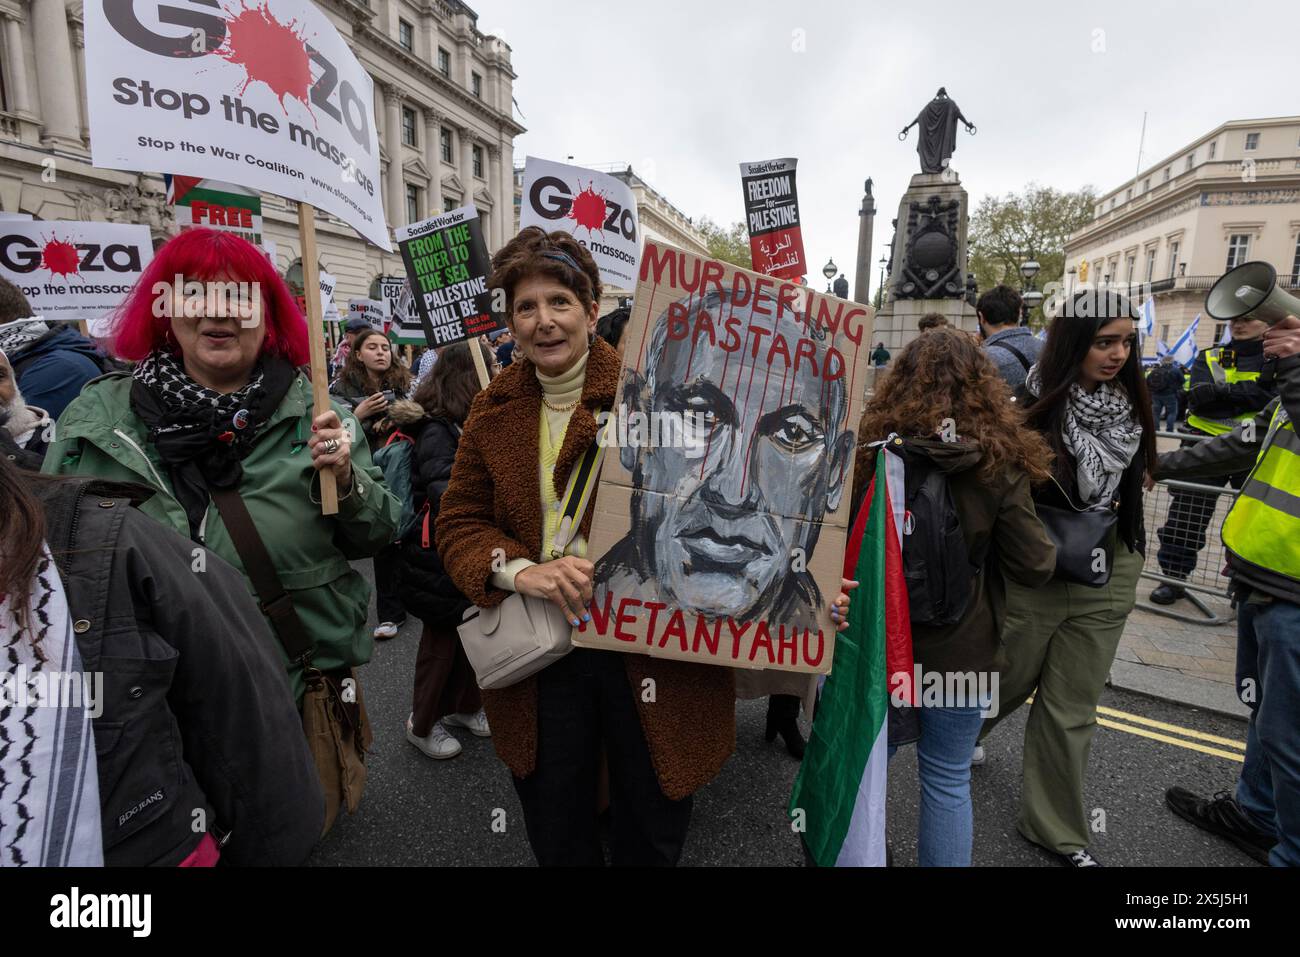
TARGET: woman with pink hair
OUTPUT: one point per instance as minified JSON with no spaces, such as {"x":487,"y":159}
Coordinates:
{"x":217,"y":402}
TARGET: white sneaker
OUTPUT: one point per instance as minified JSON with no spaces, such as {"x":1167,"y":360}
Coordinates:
{"x":438,"y":744}
{"x":385,"y":631}
{"x":476,"y":724}
{"x":977,"y":756}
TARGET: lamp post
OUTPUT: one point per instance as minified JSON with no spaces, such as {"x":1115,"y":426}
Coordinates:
{"x":883,"y":263}
{"x":1030,"y":297}
{"x":829,"y":271}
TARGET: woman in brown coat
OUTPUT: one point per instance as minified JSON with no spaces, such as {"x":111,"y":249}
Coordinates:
{"x":667,"y":727}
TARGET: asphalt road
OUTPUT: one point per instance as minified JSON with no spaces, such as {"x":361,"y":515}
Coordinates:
{"x":421,"y":812}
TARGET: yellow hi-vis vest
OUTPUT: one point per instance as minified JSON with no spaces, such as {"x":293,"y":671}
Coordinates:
{"x":1214,"y":359}
{"x":1263,"y":526}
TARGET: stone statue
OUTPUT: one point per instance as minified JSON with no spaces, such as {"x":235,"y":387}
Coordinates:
{"x":937,"y":132}
{"x":867,"y":186}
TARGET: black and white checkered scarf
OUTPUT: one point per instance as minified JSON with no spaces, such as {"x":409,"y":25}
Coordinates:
{"x":202,"y":435}
{"x":1101,"y":431}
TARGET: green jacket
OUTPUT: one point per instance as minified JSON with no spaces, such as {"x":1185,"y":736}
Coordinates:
{"x":100,"y":435}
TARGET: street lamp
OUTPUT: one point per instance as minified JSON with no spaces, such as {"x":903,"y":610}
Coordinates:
{"x":883,"y":263}
{"x":1030,"y":297}
{"x":829,"y":271}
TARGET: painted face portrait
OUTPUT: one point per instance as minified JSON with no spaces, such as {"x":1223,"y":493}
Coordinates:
{"x":725,"y":521}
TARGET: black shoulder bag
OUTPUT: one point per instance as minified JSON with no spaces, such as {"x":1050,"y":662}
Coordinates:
{"x":1082,"y":536}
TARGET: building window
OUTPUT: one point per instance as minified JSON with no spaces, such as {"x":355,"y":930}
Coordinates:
{"x":444,"y":62}
{"x":476,"y":85}
{"x":1128,"y":194}
{"x":1164,"y":332}
{"x":448,"y":204}
{"x":1238,"y":247}
{"x":1191,"y":159}
{"x":1252,"y":142}
{"x":1112,"y":202}
{"x":1168,"y":169}
{"x":408,"y":126}
{"x":1151,"y":264}
{"x":406,"y":36}
{"x":1214,"y":148}
{"x":1295,"y":263}
{"x":1219,"y":329}
{"x":1130,"y":263}
{"x":477,"y":153}
{"x":1173,"y":259}
{"x":1146,"y":184}
{"x":412,"y":203}
{"x":444,"y":144}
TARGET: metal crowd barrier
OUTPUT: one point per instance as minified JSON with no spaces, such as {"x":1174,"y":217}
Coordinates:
{"x":1206,"y":578}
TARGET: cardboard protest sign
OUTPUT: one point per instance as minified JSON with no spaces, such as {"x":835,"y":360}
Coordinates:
{"x":598,"y":209}
{"x":74,"y":271}
{"x":723,"y":502}
{"x":265,"y":93}
{"x":447,"y":267}
{"x":772,"y":215}
{"x":216,"y":205}
{"x":374,"y":312}
{"x":404,"y":319}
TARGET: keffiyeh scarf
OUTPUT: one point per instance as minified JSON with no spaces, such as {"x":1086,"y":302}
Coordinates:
{"x":200,"y":434}
{"x":1100,"y":430}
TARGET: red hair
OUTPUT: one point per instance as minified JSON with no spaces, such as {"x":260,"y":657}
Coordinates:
{"x":205,"y":255}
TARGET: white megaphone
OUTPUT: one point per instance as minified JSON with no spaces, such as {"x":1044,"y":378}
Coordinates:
{"x":1251,"y":289}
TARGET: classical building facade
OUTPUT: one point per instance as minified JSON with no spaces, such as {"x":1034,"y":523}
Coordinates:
{"x":660,"y":220}
{"x":443,"y":102}
{"x":1228,"y":197}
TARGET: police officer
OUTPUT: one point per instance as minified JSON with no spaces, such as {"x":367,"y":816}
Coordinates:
{"x":1262,"y":537}
{"x":1229,"y":385}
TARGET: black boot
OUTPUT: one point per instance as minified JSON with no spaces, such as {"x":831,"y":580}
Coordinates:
{"x":783,"y":719}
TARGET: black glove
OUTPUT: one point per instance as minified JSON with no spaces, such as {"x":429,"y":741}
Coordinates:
{"x":1202,"y":393}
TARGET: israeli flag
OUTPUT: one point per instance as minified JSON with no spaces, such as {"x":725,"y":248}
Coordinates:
{"x":1184,"y":350}
{"x":1147,"y":324}
{"x":1162,"y":348}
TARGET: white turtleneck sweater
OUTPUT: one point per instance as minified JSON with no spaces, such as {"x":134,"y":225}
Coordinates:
{"x":560,"y":391}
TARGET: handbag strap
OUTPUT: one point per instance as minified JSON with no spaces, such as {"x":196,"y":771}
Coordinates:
{"x":274,"y":601}
{"x":1070,"y":501}
{"x":577,"y":495}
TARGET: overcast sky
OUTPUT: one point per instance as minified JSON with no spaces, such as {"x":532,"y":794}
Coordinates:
{"x":685,"y":91}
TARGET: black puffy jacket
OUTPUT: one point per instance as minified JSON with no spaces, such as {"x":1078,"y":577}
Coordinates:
{"x":424,"y":585}
{"x":198,"y":729}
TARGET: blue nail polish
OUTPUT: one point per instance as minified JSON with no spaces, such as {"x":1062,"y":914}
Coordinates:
{"x":586,"y":618}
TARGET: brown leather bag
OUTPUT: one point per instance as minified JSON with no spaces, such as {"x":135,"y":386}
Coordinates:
{"x":339,"y":736}
{"x":333,"y":712}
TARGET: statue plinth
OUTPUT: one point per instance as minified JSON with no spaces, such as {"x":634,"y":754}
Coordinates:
{"x":927,"y":270}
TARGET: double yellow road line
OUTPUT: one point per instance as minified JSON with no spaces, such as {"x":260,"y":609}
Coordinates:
{"x":1165,"y":733}
{"x":1110,"y":718}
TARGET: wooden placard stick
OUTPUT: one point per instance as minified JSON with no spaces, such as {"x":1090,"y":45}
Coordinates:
{"x":329,"y":495}
{"x":476,"y":351}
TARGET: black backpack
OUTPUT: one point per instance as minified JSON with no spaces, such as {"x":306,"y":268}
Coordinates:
{"x":936,"y":561}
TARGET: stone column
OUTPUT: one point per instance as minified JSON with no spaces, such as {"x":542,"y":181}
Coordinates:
{"x":16,"y":58}
{"x":393,"y":145}
{"x":433,"y":158}
{"x":862,"y":268}
{"x":79,"y":58}
{"x":507,"y":187}
{"x":494,"y":179}
{"x":466,"y":171}
{"x":54,"y":70}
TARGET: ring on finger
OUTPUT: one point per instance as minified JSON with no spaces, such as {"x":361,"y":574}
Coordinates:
{"x":330,"y":446}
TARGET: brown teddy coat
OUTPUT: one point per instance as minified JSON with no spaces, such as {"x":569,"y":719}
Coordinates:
{"x":493,"y":502}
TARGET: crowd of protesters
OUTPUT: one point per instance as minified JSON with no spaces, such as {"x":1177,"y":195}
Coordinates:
{"x":162,"y":528}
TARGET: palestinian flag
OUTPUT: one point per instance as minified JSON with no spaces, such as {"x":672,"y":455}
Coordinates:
{"x":840,"y":791}
{"x":217,"y":205}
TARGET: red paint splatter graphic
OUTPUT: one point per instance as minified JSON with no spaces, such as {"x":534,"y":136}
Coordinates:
{"x":60,"y":258}
{"x":588,"y":210}
{"x":270,"y":52}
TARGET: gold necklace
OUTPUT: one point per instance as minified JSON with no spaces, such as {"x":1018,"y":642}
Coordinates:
{"x":560,"y":408}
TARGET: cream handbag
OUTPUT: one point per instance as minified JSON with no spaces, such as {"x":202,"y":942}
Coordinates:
{"x":519,"y":637}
